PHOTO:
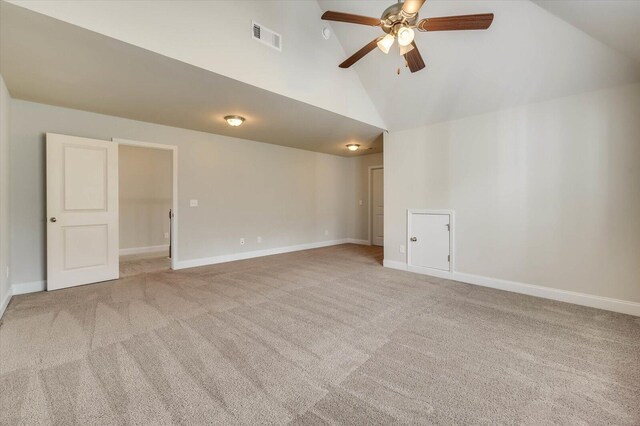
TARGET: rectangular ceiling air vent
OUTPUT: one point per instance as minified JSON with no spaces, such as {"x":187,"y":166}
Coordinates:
{"x":266,"y":36}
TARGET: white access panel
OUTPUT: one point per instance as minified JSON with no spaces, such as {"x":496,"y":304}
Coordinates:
{"x":429,"y":236}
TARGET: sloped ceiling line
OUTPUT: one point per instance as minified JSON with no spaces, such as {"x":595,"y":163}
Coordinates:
{"x":527,"y":55}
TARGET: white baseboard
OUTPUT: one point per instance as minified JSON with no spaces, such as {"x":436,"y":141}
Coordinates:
{"x":182,"y":264}
{"x":394,"y":264}
{"x":356,"y":241}
{"x":583,"y":299}
{"x":5,"y":302}
{"x":142,"y":250}
{"x":429,"y":271}
{"x":34,"y":286}
{"x":29,"y":287}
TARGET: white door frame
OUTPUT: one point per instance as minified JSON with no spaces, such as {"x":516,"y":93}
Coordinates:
{"x":174,"y":201}
{"x":370,"y":211}
{"x":432,"y":271}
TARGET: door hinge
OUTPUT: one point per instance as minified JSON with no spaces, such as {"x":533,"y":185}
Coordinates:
{"x":448,"y":258}
{"x":448,"y":227}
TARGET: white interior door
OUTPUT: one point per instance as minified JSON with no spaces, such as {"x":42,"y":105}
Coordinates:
{"x":429,"y":240}
{"x":377,"y":207}
{"x":82,"y":211}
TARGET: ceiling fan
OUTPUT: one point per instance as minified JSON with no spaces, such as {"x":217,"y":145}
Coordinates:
{"x":398,"y":21}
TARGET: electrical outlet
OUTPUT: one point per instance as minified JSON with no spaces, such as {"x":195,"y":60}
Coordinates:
{"x":360,"y":202}
{"x":259,"y":240}
{"x":326,"y":232}
{"x":193,"y":203}
{"x":241,"y":241}
{"x":402,"y":250}
{"x":166,"y":235}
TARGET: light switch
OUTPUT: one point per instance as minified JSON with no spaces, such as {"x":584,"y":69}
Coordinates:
{"x":193,"y":203}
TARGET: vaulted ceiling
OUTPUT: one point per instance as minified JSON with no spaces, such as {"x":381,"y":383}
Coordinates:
{"x":527,"y":55}
{"x":614,"y":22}
{"x":205,"y":59}
{"x":48,"y":61}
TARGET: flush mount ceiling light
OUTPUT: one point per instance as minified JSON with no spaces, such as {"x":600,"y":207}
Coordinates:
{"x":234,"y":120}
{"x":353,"y":146}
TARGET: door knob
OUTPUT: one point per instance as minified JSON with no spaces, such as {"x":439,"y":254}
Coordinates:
{"x":53,"y":219}
{"x":414,"y":239}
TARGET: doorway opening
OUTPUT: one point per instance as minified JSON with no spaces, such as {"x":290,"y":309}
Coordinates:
{"x":147,"y":195}
{"x":376,"y":206}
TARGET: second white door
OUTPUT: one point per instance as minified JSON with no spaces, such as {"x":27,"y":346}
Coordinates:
{"x":429,"y":242}
{"x":377,"y":207}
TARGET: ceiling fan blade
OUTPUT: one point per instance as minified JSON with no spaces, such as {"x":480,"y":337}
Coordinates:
{"x":411,"y":7}
{"x":414,"y":59}
{"x":451,"y":23}
{"x":350,"y":18}
{"x":360,"y":54}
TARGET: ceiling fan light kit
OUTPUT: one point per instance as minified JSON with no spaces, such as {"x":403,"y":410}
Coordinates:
{"x":406,"y":49}
{"x":405,"y":36}
{"x":385,"y":43}
{"x":400,"y":20}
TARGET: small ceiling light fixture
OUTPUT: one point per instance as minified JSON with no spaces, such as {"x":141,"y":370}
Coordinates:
{"x":386,"y":42}
{"x":234,"y":120}
{"x":353,"y":146}
{"x":326,"y":33}
{"x":405,"y":36}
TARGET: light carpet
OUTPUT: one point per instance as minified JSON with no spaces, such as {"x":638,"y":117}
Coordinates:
{"x":136,"y":264}
{"x":325,"y":336}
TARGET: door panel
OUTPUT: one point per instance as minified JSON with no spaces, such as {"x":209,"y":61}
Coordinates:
{"x":85,"y":246}
{"x":82,"y":211}
{"x":85,"y":178}
{"x":377,"y":207}
{"x":431,"y":248}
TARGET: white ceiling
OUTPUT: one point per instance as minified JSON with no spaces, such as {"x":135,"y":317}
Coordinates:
{"x":614,"y":22}
{"x":49,"y":61}
{"x":215,"y":35}
{"x":527,"y":55}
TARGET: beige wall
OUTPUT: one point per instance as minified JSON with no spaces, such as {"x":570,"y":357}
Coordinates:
{"x":360,"y":220}
{"x":245,"y":189}
{"x":146,"y":190}
{"x":5,"y":102}
{"x":544,"y":194}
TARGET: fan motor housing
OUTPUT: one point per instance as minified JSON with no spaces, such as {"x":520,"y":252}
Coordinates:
{"x":393,"y":18}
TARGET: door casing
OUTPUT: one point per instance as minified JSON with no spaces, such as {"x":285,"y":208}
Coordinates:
{"x":370,"y":203}
{"x":174,"y":201}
